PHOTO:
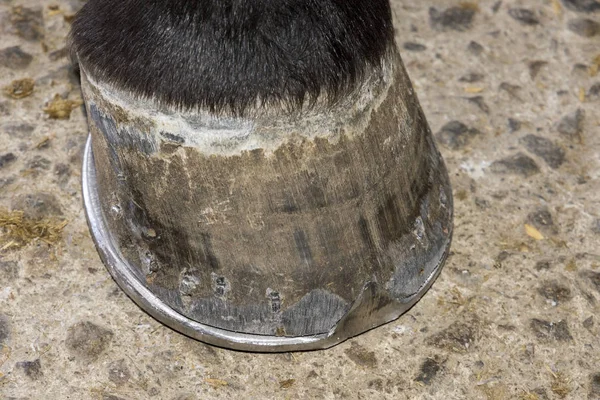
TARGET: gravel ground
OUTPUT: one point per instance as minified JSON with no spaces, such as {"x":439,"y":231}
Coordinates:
{"x":511,"y":89}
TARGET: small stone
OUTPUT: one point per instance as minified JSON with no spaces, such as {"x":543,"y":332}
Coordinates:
{"x":87,"y":340}
{"x":39,"y":163}
{"x":541,"y":393}
{"x":184,"y":396}
{"x":458,"y":337}
{"x":475,"y":48}
{"x":584,"y":6}
{"x":535,"y":67}
{"x":482,"y":203}
{"x":572,"y":125}
{"x":66,"y":73}
{"x":588,"y":323}
{"x":584,"y":27}
{"x":548,"y":331}
{"x":27,"y":23}
{"x":542,"y":220}
{"x":514,"y":125}
{"x":361,"y":356}
{"x":480,"y":103}
{"x":593,"y":278}
{"x":455,"y":18}
{"x":18,"y":129}
{"x":524,"y":16}
{"x":37,"y":205}
{"x":456,"y":135}
{"x":4,"y":329}
{"x":4,"y":182}
{"x":411,"y":46}
{"x":9,"y":270}
{"x":62,"y":172}
{"x":594,"y":393}
{"x":15,"y":58}
{"x":554,"y":291}
{"x":58,"y":54}
{"x":594,"y":92}
{"x":512,"y":90}
{"x":33,"y":369}
{"x":472,"y":77}
{"x":543,"y":265}
{"x":581,"y":71}
{"x":518,"y":164}
{"x":20,"y":88}
{"x":544,"y":148}
{"x":287,"y":383}
{"x":596,"y":227}
{"x":111,"y":397}
{"x":430,"y":368}
{"x":6,"y":159}
{"x":118,"y":373}
{"x":4,"y":108}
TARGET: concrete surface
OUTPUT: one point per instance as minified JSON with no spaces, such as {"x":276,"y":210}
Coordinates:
{"x":511,"y":89}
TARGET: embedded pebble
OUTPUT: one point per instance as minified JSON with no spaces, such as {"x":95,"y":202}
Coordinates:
{"x":471,"y":77}
{"x":458,"y":337}
{"x":456,"y":135}
{"x":58,"y":54}
{"x":37,"y":205}
{"x":512,"y":90}
{"x":111,"y":397}
{"x":542,"y":219}
{"x":594,"y":392}
{"x":596,"y":226}
{"x":27,"y":23}
{"x":514,"y":125}
{"x":430,"y":369}
{"x":524,"y":16}
{"x":554,"y":291}
{"x":479,"y":101}
{"x":18,"y":129}
{"x":15,"y":58}
{"x":455,"y":18}
{"x":584,"y":6}
{"x":411,"y":46}
{"x":551,"y":331}
{"x":518,"y":164}
{"x":39,"y":163}
{"x":33,"y":369}
{"x":118,"y":373}
{"x":535,"y":67}
{"x":543,"y":265}
{"x":584,"y":27}
{"x":593,"y":278}
{"x":4,"y":330}
{"x":6,"y":159}
{"x":550,"y":152}
{"x":571,"y":125}
{"x":361,"y":356}
{"x":594,"y":92}
{"x":475,"y":48}
{"x":9,"y":270}
{"x":87,"y":340}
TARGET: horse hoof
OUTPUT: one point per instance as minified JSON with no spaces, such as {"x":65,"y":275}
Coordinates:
{"x":271,"y":225}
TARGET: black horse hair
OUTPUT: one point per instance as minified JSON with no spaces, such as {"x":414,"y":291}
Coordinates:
{"x":230,"y":55}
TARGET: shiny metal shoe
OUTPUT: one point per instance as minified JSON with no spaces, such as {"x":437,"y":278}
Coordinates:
{"x":274,"y":229}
